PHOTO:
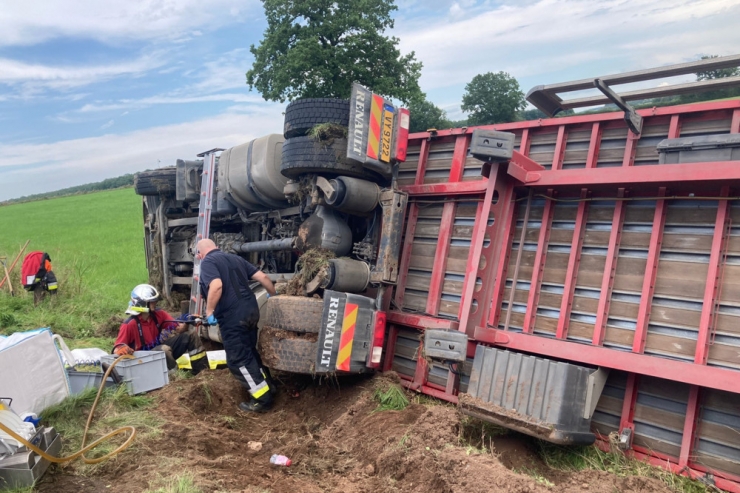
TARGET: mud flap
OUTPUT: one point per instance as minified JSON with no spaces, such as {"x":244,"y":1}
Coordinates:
{"x":546,"y":399}
{"x":346,"y":333}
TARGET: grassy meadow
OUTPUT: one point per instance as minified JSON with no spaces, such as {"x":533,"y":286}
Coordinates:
{"x":97,"y":250}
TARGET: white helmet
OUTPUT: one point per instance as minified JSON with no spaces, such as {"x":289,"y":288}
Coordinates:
{"x":141,"y":296}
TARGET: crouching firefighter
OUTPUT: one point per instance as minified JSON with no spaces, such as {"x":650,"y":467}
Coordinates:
{"x":224,"y":281}
{"x":150,"y":329}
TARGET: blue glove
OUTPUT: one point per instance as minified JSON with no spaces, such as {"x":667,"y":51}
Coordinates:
{"x":211,"y":320}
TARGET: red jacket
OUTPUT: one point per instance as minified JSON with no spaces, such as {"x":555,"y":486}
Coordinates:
{"x":128,"y":334}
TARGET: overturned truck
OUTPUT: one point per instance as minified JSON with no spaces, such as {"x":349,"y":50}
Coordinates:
{"x":576,"y":279}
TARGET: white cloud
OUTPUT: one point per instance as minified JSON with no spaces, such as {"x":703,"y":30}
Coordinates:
{"x":128,"y":104}
{"x":109,"y":124}
{"x":73,"y":162}
{"x":528,"y":39}
{"x":34,"y":21}
{"x":34,"y":77}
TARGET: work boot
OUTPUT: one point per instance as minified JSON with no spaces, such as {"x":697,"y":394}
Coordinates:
{"x":255,"y":406}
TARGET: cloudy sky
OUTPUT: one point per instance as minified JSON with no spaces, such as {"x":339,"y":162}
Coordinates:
{"x":92,"y":89}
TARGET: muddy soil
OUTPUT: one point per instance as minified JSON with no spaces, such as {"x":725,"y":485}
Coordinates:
{"x":336,"y":441}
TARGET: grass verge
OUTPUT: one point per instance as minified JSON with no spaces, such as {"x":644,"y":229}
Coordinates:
{"x":178,"y":484}
{"x":115,"y":409}
{"x":95,"y":243}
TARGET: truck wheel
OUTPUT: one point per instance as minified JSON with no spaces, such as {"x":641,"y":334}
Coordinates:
{"x":160,"y":181}
{"x":294,"y":313}
{"x":288,"y":351}
{"x":304,"y":114}
{"x":304,"y":155}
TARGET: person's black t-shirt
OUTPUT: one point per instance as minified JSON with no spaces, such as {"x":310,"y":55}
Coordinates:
{"x":235,"y":273}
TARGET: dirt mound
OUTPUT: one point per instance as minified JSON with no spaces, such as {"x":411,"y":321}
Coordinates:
{"x":336,"y":439}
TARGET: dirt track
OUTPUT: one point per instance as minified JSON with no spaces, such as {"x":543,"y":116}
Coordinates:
{"x":336,"y":441}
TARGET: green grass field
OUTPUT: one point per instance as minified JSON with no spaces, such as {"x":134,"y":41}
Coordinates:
{"x":96,"y":245}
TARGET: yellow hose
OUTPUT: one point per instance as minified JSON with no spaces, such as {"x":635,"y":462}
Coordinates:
{"x":81,"y":452}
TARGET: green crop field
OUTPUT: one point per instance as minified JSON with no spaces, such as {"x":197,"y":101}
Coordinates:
{"x":96,"y":245}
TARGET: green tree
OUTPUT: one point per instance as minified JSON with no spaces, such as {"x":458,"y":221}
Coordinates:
{"x":426,"y":115}
{"x":492,"y":98}
{"x":717,"y":74}
{"x":317,"y":48}
{"x":715,"y":93}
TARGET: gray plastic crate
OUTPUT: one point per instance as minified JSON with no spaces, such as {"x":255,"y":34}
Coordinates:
{"x":700,"y":149}
{"x":147,"y":371}
{"x":80,"y":380}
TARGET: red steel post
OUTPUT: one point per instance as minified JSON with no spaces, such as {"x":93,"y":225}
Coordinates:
{"x":390,"y":348}
{"x":594,"y":145}
{"x":408,"y":245}
{"x":483,"y":212}
{"x":422,"y":369}
{"x":610,"y":269}
{"x":503,"y":265}
{"x":714,"y":279}
{"x":735,"y":124}
{"x":630,"y":147}
{"x":557,"y":158}
{"x":421,"y":166}
{"x":539,"y":264}
{"x":628,"y":404}
{"x":440,"y":258}
{"x":651,"y":272}
{"x":674,"y":128}
{"x":445,"y":229}
{"x":689,"y":426}
{"x":458,"y":158}
{"x":524,"y":142}
{"x":574,"y":260}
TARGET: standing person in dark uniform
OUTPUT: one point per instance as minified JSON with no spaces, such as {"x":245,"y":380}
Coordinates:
{"x":224,"y":281}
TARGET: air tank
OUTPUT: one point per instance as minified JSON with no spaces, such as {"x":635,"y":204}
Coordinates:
{"x":249,"y":174}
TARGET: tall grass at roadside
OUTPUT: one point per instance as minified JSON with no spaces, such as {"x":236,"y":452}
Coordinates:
{"x":569,"y":458}
{"x":480,"y":437}
{"x":96,"y":245}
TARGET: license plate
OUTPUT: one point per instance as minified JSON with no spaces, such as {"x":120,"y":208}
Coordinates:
{"x":387,"y":133}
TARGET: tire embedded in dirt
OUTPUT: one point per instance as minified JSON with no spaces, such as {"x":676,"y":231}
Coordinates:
{"x":160,"y":181}
{"x":304,"y":155}
{"x":304,"y":114}
{"x":288,"y":351}
{"x":294,"y":313}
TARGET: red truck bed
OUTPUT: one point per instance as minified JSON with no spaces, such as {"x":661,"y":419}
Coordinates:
{"x":605,"y":257}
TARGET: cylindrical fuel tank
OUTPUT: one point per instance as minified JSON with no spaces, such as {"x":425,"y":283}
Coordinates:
{"x":250,"y":174}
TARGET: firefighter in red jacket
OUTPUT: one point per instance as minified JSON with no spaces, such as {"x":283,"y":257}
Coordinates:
{"x":150,"y":329}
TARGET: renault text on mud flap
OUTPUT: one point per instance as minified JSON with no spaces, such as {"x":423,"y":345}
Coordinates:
{"x":329,"y":331}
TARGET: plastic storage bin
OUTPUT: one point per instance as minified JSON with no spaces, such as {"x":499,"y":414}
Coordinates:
{"x":80,"y":380}
{"x":147,"y":371}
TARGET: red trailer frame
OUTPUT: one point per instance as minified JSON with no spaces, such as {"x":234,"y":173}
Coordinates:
{"x":579,"y":161}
